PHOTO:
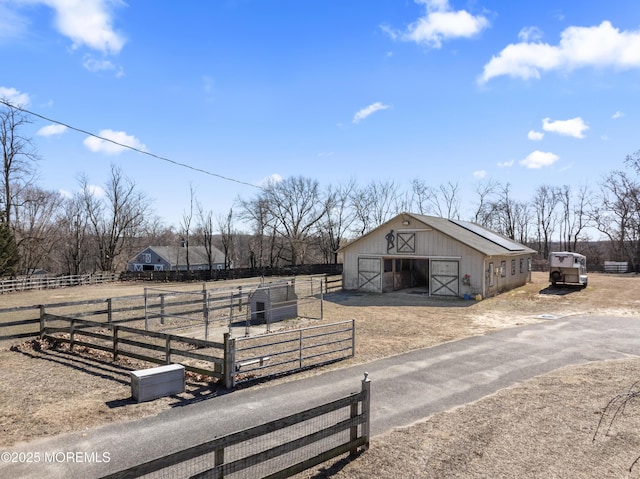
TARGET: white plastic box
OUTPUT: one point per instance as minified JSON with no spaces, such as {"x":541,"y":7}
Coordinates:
{"x":154,"y":383}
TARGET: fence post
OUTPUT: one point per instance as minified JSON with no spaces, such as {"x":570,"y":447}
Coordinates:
{"x":42,"y":326}
{"x":353,"y":432}
{"x":321,"y":300}
{"x":167,"y":349}
{"x":115,"y":343}
{"x":71,"y":328}
{"x":146,"y":313}
{"x":229,"y":361}
{"x":205,"y":311}
{"x":161,"y":307}
{"x":366,"y":409}
{"x":109,"y":310}
{"x":219,"y":459}
{"x":300,"y":350}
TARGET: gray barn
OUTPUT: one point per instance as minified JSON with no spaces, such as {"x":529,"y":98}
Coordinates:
{"x":174,"y":258}
{"x":445,"y":257}
{"x":273,"y":302}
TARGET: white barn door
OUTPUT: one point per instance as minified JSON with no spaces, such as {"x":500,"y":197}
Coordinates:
{"x":370,"y":274}
{"x":444,"y":277}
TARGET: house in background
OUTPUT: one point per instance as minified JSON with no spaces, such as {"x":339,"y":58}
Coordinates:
{"x":174,"y":258}
{"x":442,"y":257}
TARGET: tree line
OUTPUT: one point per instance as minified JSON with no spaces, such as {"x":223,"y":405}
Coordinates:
{"x":293,"y":221}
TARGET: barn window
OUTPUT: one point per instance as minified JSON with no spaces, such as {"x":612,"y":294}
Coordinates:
{"x":513,"y":267}
{"x":490,"y":272}
{"x":503,"y":268}
{"x":146,"y":257}
{"x":388,"y":265}
{"x":521,"y":265}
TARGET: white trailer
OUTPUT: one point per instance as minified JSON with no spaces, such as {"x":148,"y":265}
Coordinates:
{"x":568,"y":268}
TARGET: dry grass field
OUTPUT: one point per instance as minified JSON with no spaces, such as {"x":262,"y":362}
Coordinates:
{"x":541,"y":428}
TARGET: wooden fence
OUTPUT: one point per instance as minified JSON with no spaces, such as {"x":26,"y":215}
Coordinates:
{"x":236,"y":273}
{"x":275,"y":450}
{"x":47,"y":282}
{"x":114,"y":338}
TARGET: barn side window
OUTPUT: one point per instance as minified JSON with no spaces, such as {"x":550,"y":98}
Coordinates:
{"x":521,"y":265}
{"x":503,"y":268}
{"x":513,"y":267}
{"x":388,"y":265}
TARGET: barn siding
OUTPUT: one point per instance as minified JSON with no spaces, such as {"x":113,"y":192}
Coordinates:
{"x":432,"y":244}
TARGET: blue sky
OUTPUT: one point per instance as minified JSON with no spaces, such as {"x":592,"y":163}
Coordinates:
{"x":525,"y":93}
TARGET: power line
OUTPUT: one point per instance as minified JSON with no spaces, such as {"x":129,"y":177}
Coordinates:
{"x":168,"y":160}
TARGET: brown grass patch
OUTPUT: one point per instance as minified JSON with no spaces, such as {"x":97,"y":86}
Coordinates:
{"x":542,"y":428}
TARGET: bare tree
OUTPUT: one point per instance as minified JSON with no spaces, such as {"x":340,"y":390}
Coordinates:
{"x":19,"y":159}
{"x":266,"y":244}
{"x":420,"y":196}
{"x":575,"y":217}
{"x":618,"y":215}
{"x":486,"y":204}
{"x":73,"y":225}
{"x":115,"y":218}
{"x":374,"y":204}
{"x":296,"y":206}
{"x":185,"y":227}
{"x":205,"y":231}
{"x":338,"y":220}
{"x":545,"y":201}
{"x":36,"y":230}
{"x":445,"y":200}
{"x":225,"y":225}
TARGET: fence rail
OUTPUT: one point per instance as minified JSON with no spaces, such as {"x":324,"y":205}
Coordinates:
{"x":277,"y":449}
{"x":117,"y":335}
{"x":284,"y":352}
{"x":48,"y":282}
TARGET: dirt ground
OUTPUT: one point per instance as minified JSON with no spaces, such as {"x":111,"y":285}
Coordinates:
{"x":541,"y":428}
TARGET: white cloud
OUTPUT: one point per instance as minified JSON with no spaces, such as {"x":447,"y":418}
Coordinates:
{"x":99,"y":65}
{"x":65,"y":194}
{"x":98,"y":145}
{"x":371,"y":109}
{"x":617,"y":115}
{"x":51,"y":130}
{"x":599,"y":46}
{"x":538,"y":159}
{"x":95,"y":190}
{"x":14,"y":97}
{"x":574,"y":127}
{"x":530,"y":34}
{"x":535,"y":135}
{"x":88,"y":23}
{"x":274,"y":178}
{"x":440,"y":23}
{"x":479,"y":174}
{"x":505,"y":164}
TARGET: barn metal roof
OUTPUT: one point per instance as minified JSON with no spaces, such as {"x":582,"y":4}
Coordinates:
{"x":176,"y":255}
{"x":473,"y":235}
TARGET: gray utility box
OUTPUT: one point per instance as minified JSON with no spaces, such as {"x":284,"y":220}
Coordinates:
{"x":154,"y":383}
